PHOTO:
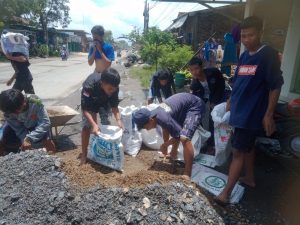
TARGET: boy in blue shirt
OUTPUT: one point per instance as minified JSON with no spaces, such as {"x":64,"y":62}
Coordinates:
{"x":179,"y":116}
{"x":27,"y":122}
{"x":256,"y":89}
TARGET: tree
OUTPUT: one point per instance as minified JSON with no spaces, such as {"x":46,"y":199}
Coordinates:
{"x":134,"y":36}
{"x":108,"y":36}
{"x":121,"y":44}
{"x":12,"y":9}
{"x":154,"y":42}
{"x":46,"y":12}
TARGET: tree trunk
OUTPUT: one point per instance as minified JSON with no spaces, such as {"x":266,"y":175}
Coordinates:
{"x":44,"y":27}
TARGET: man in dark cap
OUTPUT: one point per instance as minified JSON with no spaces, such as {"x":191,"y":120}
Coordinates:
{"x":179,"y":116}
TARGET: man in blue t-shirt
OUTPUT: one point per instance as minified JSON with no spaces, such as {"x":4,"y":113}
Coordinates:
{"x":179,"y":116}
{"x":256,"y":89}
{"x":102,"y":54}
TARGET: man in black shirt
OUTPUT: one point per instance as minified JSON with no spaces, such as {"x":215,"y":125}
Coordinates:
{"x":98,"y":90}
{"x":209,"y":85}
{"x":163,"y":81}
{"x":22,"y":73}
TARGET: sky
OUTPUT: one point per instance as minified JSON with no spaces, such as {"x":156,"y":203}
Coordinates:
{"x":121,"y":16}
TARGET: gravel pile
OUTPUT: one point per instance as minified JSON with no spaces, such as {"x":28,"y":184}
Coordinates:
{"x":33,"y":190}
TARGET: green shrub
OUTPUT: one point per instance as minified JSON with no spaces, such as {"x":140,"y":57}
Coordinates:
{"x":43,"y":51}
{"x":143,"y":74}
{"x":54,"y":52}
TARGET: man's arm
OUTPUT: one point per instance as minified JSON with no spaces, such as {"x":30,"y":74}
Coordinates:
{"x":94,"y":126}
{"x":268,"y":121}
{"x":91,"y":57}
{"x":42,"y":128}
{"x":17,"y":58}
{"x":11,"y":80}
{"x":117,"y":115}
{"x":103,"y":56}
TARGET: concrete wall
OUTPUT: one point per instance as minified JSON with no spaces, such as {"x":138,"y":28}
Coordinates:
{"x":291,"y":54}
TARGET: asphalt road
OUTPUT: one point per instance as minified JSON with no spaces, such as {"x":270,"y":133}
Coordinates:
{"x":53,"y":79}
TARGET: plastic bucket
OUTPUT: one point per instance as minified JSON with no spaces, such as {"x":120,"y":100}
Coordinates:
{"x":179,"y":80}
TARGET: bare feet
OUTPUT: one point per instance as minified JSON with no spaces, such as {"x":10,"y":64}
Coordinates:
{"x":247,"y":181}
{"x":186,"y":177}
{"x":222,"y":199}
{"x":83,"y":160}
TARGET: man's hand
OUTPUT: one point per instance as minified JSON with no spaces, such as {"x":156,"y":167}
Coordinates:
{"x":26,"y":145}
{"x":95,"y":130}
{"x":120,"y":124}
{"x":9,"y":82}
{"x":98,"y":46}
{"x":164,"y":148}
{"x":269,"y":125}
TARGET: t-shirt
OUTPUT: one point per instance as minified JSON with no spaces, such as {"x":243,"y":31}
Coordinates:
{"x":255,"y":76}
{"x":213,"y":89}
{"x":179,"y":105}
{"x":156,"y":87}
{"x":107,"y":49}
{"x":93,"y":96}
{"x":21,"y":69}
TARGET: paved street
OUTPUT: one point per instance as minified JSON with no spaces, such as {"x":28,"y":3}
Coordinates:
{"x":53,"y":79}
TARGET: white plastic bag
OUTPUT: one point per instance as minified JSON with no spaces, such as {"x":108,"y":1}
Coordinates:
{"x":14,"y":42}
{"x":132,"y":138}
{"x":106,"y":148}
{"x":152,"y":139}
{"x":222,"y":133}
{"x":214,"y":182}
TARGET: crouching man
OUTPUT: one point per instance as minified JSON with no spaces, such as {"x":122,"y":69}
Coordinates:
{"x":27,"y":122}
{"x":98,"y":91}
{"x":179,"y":116}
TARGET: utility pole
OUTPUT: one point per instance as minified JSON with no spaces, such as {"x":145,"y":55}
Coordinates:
{"x":146,"y":17}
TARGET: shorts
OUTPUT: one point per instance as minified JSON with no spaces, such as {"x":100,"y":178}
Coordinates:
{"x":11,"y":141}
{"x":24,"y":85}
{"x":191,"y":124}
{"x":244,"y":139}
{"x":104,"y":113}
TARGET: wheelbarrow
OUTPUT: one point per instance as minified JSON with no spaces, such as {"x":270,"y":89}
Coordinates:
{"x":60,"y":116}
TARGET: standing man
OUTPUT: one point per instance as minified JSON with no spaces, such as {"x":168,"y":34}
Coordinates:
{"x":102,"y":54}
{"x":256,"y":89}
{"x":209,"y":85}
{"x":22,"y":76}
{"x":162,"y":80}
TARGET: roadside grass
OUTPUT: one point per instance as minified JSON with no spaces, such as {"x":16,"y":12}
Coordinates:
{"x":143,"y":74}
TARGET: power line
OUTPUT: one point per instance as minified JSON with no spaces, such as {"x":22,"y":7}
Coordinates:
{"x":164,"y":10}
{"x":167,"y":14}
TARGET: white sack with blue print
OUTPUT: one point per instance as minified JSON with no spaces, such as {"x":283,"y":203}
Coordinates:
{"x":106,"y":148}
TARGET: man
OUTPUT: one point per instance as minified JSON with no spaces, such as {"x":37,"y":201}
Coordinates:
{"x":256,"y":89}
{"x":209,"y":85}
{"x":163,"y":81}
{"x":27,"y":122}
{"x":102,"y":54}
{"x":98,"y":90}
{"x":179,"y":116}
{"x":22,"y":76}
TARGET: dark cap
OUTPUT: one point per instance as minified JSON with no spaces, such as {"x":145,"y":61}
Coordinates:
{"x":141,"y":117}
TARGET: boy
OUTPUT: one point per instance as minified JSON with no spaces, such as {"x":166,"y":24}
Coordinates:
{"x":179,"y":116}
{"x":209,"y":85}
{"x":101,"y":53}
{"x":161,"y":80}
{"x":22,"y":73}
{"x":27,"y":122}
{"x":98,"y":90}
{"x":256,"y":89}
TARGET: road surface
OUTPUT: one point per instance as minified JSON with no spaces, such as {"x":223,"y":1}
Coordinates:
{"x":53,"y":79}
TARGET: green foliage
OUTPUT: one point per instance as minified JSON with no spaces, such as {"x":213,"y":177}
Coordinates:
{"x":175,"y":58}
{"x":43,"y":51}
{"x":134,"y":36}
{"x":54,"y":52}
{"x":108,"y":36}
{"x":121,"y":44}
{"x":143,"y":74}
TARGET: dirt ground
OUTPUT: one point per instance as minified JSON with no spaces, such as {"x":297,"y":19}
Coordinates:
{"x":146,"y":168}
